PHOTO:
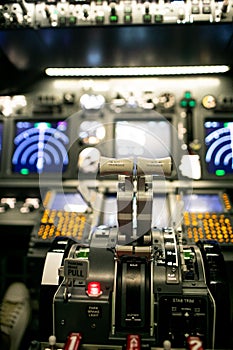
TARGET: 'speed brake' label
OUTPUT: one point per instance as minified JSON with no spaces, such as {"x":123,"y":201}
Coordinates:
{"x":76,"y":269}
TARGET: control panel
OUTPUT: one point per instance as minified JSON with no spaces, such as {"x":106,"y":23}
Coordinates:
{"x":53,"y":135}
{"x":86,"y":12}
{"x":134,"y":279}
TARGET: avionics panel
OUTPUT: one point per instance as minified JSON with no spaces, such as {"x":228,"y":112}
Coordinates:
{"x":65,"y":214}
{"x":40,"y":146}
{"x":120,"y":117}
{"x":206,"y":216}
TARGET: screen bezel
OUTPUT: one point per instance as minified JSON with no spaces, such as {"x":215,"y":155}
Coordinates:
{"x":223,"y":117}
{"x":12,"y":133}
{"x":207,"y":194}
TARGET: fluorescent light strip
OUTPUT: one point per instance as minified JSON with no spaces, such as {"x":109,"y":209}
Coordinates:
{"x":134,"y":71}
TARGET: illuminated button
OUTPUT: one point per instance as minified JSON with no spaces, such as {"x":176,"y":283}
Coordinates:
{"x":99,"y":19}
{"x":113,"y":16}
{"x":24,"y":171}
{"x":147,"y":18}
{"x":206,"y":10}
{"x":72,"y":20}
{"x":62,"y":21}
{"x":195,"y":10}
{"x":128,"y":18}
{"x":158,"y":18}
{"x":93,"y":289}
{"x":192,"y":103}
{"x":187,"y":101}
{"x":183,"y":103}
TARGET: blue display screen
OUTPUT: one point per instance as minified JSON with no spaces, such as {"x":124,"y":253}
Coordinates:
{"x":40,"y":147}
{"x":219,"y":147}
{"x":71,"y":202}
{"x":201,"y":203}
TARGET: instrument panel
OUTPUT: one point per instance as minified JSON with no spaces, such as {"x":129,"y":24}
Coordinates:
{"x":64,"y":125}
{"x":86,"y":12}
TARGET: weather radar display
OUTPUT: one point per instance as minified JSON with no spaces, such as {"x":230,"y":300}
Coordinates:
{"x":219,"y":147}
{"x":40,"y":147}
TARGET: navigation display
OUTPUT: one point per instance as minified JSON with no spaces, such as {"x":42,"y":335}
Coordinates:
{"x":70,"y":202}
{"x":201,"y":203}
{"x":40,"y":147}
{"x":219,"y":147}
{"x":149,"y":139}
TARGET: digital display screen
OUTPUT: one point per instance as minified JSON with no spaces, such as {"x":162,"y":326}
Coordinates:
{"x":70,"y":202}
{"x":149,"y":139}
{"x":200,"y":203}
{"x":1,"y":137}
{"x":219,"y":147}
{"x":40,"y":147}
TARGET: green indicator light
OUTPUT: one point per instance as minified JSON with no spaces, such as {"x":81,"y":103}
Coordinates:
{"x":113,"y":18}
{"x":62,"y":20}
{"x":188,"y":254}
{"x":83,"y":253}
{"x":183,"y":103}
{"x":42,"y":125}
{"x":128,"y":18}
{"x":192,"y":103}
{"x":24,"y":171}
{"x":228,"y":124}
{"x":158,"y":18}
{"x":100,"y":19}
{"x":147,"y":18}
{"x":187,"y":94}
{"x":72,"y":20}
{"x":220,"y":172}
